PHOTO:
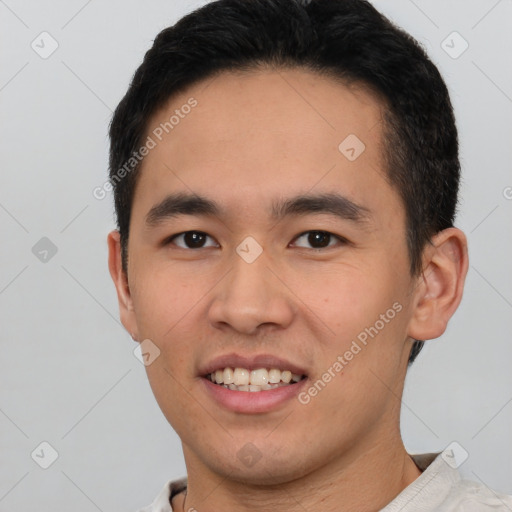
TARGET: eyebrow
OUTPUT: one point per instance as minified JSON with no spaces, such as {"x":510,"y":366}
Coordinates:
{"x":192,"y":204}
{"x":332,"y":204}
{"x":181,"y":204}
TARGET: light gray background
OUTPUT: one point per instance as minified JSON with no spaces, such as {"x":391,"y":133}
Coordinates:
{"x":68,"y":373}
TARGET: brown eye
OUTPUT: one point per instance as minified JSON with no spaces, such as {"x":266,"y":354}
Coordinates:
{"x":193,"y":240}
{"x":317,"y":240}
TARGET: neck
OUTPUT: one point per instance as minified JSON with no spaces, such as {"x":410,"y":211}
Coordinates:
{"x":362,"y":480}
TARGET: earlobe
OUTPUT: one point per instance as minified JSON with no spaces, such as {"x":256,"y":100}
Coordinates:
{"x":120,"y":279}
{"x":440,"y":286}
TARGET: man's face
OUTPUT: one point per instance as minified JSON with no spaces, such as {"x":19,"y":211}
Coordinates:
{"x":322,"y":283}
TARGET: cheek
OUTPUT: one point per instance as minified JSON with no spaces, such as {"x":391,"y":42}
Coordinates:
{"x":164,"y":298}
{"x":166,"y":303}
{"x":365,"y":311}
{"x":349,"y":300}
{"x":174,"y":395}
{"x":166,"y":306}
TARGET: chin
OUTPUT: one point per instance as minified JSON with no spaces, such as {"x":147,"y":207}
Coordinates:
{"x":251,"y":466}
{"x":266,"y":475}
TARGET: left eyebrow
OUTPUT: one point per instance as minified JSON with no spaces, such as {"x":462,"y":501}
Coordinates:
{"x":332,"y":204}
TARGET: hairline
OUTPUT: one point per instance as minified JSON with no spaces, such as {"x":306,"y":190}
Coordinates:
{"x":387,"y":137}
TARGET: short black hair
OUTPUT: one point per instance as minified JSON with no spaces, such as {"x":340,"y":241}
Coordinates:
{"x":348,"y":40}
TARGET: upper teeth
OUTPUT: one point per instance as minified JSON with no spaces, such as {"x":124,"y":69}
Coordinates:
{"x":259,"y":377}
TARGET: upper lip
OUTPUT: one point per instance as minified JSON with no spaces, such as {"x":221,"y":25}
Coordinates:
{"x":250,"y":363}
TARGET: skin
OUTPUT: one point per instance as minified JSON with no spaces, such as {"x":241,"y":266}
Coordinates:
{"x":254,"y":138}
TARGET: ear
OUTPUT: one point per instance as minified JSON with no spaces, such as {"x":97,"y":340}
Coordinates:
{"x":439,"y":288}
{"x":126,"y":310}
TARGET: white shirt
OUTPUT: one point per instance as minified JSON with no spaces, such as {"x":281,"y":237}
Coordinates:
{"x":439,"y":488}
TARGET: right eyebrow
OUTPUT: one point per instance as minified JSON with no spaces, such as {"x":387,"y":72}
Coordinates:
{"x":181,"y":204}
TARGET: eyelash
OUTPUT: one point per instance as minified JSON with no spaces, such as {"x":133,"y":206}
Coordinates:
{"x":341,"y":240}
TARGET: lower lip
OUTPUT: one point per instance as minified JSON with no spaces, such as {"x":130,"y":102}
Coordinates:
{"x":253,"y":402}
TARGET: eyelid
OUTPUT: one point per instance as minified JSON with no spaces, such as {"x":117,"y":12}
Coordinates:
{"x":341,"y":240}
{"x":170,"y":239}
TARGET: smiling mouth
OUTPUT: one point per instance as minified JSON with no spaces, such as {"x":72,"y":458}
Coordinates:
{"x":261,"y":379}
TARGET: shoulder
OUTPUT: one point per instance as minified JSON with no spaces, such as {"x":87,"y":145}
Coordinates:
{"x":440,"y":488}
{"x":469,"y":496}
{"x":162,"y":502}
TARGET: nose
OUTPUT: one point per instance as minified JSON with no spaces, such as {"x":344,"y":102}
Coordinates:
{"x":251,"y":298}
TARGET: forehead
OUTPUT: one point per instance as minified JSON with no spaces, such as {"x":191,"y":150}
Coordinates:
{"x":263,"y":134}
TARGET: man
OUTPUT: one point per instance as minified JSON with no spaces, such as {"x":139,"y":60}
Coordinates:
{"x":285,"y":176}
